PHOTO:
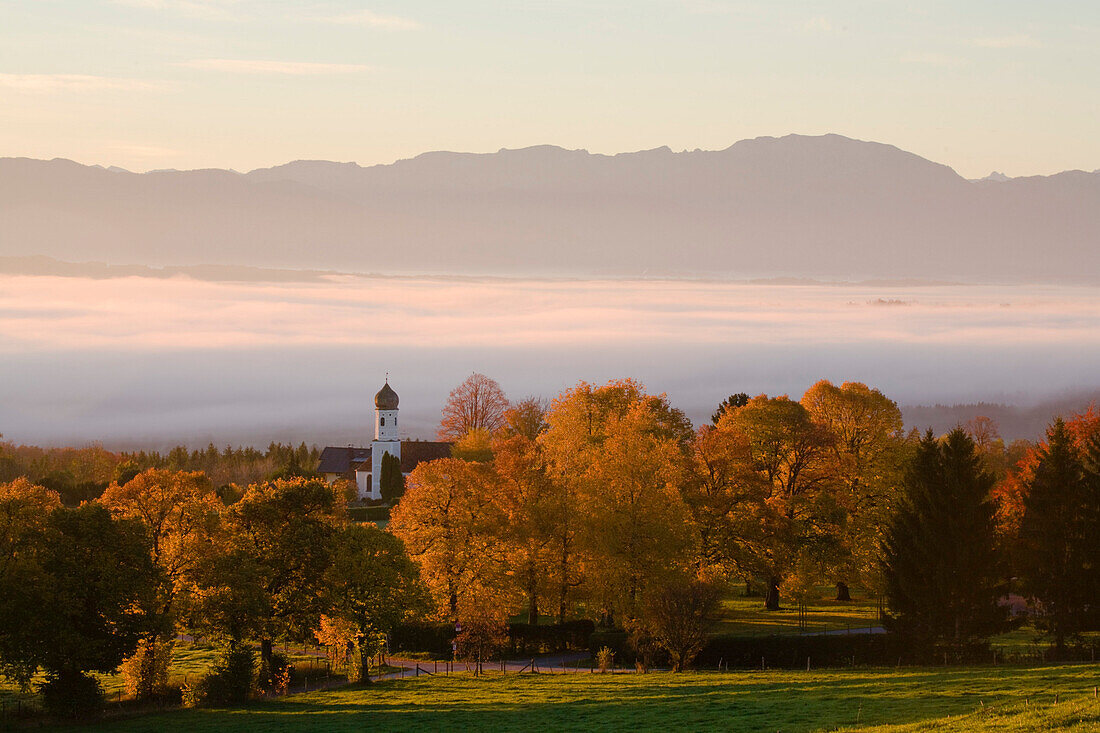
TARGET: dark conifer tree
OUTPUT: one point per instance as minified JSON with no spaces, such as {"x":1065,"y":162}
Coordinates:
{"x":730,"y":403}
{"x":942,"y":580}
{"x":391,"y":482}
{"x":1058,"y":536}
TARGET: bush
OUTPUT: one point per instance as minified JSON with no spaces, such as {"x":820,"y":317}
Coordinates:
{"x":276,"y":680}
{"x":605,"y":658}
{"x":156,"y":668}
{"x":73,"y":695}
{"x":232,"y":680}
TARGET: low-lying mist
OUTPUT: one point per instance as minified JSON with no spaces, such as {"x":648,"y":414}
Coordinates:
{"x":142,"y":361}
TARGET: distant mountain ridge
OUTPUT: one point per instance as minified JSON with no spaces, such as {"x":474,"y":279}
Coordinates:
{"x":819,"y":207}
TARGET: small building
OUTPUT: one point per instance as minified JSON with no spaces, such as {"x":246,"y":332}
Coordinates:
{"x":364,"y":465}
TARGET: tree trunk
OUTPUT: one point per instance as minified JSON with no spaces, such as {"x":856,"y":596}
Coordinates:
{"x":364,"y":664}
{"x":267,"y":659}
{"x":564,"y":590}
{"x":771,"y":601}
{"x":148,"y":672}
{"x":748,"y":588}
{"x":454,"y":605}
{"x":532,"y":598}
{"x":842,"y":593}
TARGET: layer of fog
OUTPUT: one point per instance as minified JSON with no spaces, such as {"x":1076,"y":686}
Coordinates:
{"x":151,"y":361}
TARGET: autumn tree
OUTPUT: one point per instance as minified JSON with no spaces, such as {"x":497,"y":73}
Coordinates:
{"x":724,"y":493}
{"x":939,"y":563}
{"x":482,"y":630}
{"x":864,"y":457}
{"x":637,"y":525}
{"x":1060,"y":559}
{"x":269,"y":580}
{"x":374,"y":585}
{"x":181,"y":513}
{"x":526,"y":418}
{"x":450,"y":523}
{"x":680,"y":616}
{"x":476,"y":446}
{"x":477,"y":403}
{"x":617,"y":453}
{"x":98,"y":577}
{"x":528,"y":501}
{"x":799,"y":511}
{"x":25,"y":509}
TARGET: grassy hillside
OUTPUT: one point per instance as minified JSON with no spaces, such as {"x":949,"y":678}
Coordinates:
{"x":955,"y":699}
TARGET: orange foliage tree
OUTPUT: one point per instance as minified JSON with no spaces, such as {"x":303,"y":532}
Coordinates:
{"x":477,"y":404}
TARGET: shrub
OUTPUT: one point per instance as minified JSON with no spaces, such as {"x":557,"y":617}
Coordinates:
{"x":678,"y":619}
{"x":152,"y":661}
{"x":232,"y":680}
{"x":604,"y":659}
{"x":72,"y":695}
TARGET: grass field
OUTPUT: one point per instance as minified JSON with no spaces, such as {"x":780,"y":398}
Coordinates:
{"x":741,"y":615}
{"x":954,"y":699}
{"x":189,"y":663}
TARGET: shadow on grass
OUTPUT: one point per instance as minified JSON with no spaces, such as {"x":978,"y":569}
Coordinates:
{"x":741,"y":701}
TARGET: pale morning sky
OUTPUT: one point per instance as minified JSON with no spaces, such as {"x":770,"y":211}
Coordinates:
{"x":976,"y":84}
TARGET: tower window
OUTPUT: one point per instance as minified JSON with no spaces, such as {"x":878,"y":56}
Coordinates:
{"x":383,"y":423}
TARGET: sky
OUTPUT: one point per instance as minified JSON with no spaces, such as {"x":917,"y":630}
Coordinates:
{"x":150,"y":362}
{"x":979,"y":85}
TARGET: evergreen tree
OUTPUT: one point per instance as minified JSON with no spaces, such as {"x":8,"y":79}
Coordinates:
{"x":1058,"y":535}
{"x":391,"y":483}
{"x":730,"y":403}
{"x":942,"y":583}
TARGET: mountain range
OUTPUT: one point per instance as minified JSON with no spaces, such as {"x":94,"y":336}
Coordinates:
{"x":796,"y":206}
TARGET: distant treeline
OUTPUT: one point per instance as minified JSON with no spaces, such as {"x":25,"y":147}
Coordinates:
{"x":83,"y":474}
{"x":1014,"y":422}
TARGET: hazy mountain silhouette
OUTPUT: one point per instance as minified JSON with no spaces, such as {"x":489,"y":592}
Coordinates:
{"x":793,"y":206}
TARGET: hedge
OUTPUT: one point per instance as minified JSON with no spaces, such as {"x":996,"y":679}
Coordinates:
{"x":368,"y":513}
{"x":523,"y":639}
{"x":432,"y":638}
{"x":571,"y":636}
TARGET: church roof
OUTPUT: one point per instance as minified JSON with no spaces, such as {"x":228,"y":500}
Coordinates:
{"x":340,"y":459}
{"x":413,"y":453}
{"x":386,"y":399}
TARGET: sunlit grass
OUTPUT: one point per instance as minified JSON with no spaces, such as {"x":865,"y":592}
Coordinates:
{"x":747,"y":615}
{"x":190,"y":662}
{"x":952,"y":699}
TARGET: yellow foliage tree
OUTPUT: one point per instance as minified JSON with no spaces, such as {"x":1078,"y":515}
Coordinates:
{"x":181,"y":512}
{"x":450,"y":522}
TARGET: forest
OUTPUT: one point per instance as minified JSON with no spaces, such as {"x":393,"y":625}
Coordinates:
{"x":600,"y":512}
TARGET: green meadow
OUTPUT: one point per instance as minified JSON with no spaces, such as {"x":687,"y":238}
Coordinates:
{"x":950,"y":699}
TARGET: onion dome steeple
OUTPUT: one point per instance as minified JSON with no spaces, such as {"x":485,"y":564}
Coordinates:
{"x":386,"y":399}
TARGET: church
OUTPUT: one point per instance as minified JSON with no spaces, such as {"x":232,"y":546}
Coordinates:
{"x":364,"y":465}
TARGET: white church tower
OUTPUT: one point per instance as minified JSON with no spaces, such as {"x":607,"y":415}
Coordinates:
{"x":385,"y":435}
